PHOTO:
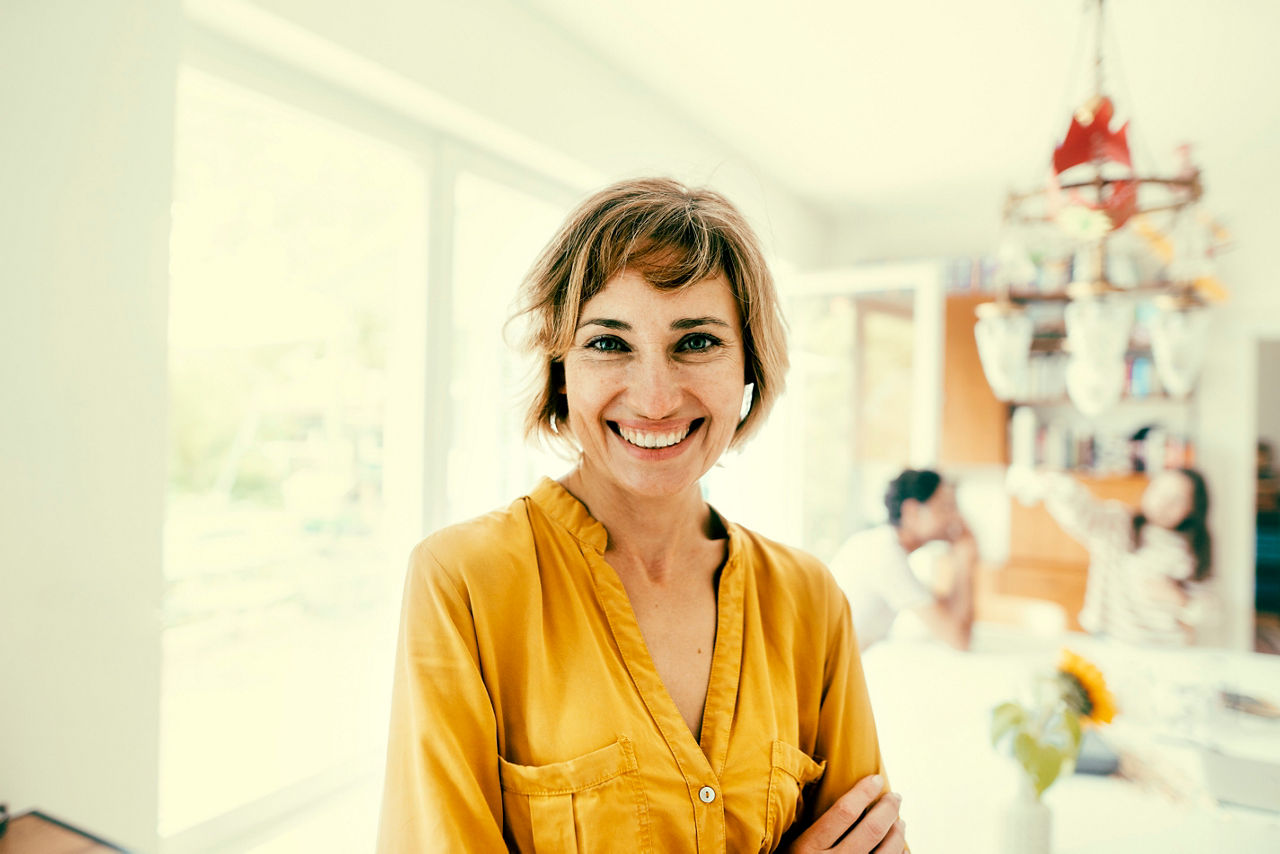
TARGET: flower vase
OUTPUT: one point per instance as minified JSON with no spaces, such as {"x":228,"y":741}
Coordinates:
{"x":1026,"y":822}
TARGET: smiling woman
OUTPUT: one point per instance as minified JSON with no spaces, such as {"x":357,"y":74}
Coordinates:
{"x":608,"y":664}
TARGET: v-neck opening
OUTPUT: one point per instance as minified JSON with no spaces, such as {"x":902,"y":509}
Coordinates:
{"x":711,"y":741}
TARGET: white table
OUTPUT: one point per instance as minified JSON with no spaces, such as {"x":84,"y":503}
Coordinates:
{"x":932,"y":707}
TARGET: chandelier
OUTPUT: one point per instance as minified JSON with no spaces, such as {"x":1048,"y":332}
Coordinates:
{"x":1100,"y":239}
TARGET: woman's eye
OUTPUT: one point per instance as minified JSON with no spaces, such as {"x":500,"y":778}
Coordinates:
{"x":698,"y":342}
{"x":606,"y":344}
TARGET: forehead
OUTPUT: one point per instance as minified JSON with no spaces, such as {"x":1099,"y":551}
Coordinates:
{"x":630,"y":298}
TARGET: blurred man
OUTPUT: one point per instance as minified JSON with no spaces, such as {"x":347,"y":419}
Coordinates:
{"x":873,"y":569}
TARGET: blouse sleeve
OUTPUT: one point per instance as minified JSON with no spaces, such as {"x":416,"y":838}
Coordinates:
{"x":442,"y":791}
{"x":847,"y":737}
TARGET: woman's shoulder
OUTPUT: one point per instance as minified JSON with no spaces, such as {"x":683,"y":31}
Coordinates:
{"x":759,"y":546}
{"x":776,"y":563}
{"x":797,"y":596}
{"x":479,"y":548}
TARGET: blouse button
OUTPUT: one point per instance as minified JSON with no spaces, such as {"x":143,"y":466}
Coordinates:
{"x":707,"y":794}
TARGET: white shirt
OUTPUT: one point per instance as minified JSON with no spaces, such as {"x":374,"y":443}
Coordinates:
{"x":873,"y":570}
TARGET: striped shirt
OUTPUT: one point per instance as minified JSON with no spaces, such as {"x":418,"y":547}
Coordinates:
{"x":1119,"y":599}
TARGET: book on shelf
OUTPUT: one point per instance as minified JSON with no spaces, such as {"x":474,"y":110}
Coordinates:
{"x":1045,"y":381}
{"x":1094,"y":450}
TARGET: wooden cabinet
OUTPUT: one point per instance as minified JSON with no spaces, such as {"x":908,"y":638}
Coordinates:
{"x":973,"y":427}
{"x":1036,"y":538}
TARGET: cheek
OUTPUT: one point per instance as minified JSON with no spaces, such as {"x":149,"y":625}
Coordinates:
{"x":585,"y":386}
{"x":730,"y":400}
{"x":1170,"y":509}
{"x":592,"y":393}
{"x":1182,"y":509}
{"x":722,"y":386}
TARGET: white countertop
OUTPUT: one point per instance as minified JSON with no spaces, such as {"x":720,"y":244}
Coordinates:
{"x":932,"y":707}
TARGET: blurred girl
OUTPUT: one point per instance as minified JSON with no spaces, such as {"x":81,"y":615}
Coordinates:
{"x":1148,"y":566}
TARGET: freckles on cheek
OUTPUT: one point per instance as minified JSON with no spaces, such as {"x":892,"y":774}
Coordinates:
{"x":585,"y":385}
{"x":726,"y":376}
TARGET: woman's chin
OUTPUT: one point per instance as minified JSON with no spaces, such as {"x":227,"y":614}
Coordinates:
{"x":651,"y":487}
{"x":647,"y":481}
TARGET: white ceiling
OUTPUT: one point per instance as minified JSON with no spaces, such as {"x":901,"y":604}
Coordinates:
{"x":861,"y":106}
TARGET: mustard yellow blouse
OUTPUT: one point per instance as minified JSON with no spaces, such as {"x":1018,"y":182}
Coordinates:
{"x":528,"y":716}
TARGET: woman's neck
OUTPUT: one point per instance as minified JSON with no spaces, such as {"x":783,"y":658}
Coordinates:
{"x":654,"y":533}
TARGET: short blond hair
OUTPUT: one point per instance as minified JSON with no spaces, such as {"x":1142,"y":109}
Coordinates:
{"x":674,"y":236}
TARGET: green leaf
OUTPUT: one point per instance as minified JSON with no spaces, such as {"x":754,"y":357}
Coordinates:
{"x":1005,"y":718}
{"x":1042,"y":762}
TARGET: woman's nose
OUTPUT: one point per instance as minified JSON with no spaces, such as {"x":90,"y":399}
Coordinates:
{"x":654,"y":389}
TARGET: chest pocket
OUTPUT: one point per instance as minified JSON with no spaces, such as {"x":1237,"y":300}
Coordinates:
{"x":594,"y":803}
{"x":791,"y":771}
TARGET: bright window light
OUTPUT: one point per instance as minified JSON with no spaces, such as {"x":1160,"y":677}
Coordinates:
{"x":296,"y":383}
{"x":498,"y":232}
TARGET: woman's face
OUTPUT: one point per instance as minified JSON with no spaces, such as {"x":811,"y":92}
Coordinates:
{"x":1167,"y":499}
{"x":654,"y":382}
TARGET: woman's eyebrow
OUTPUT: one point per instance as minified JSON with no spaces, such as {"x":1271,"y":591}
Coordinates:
{"x":695,"y":322}
{"x":607,"y":323}
{"x":681,"y":324}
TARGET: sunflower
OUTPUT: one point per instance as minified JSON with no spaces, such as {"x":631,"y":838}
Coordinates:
{"x":1084,"y":689}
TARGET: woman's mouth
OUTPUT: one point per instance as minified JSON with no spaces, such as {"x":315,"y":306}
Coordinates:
{"x":655,"y":439}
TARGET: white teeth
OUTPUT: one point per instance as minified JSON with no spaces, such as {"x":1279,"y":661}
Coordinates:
{"x":646,"y":439}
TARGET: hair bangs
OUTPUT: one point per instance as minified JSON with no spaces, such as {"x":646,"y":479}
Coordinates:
{"x":678,"y":250}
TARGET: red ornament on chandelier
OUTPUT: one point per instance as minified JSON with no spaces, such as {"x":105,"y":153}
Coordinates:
{"x":1090,"y":140}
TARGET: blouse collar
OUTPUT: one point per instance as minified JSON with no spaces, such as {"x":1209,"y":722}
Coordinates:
{"x":565,"y":509}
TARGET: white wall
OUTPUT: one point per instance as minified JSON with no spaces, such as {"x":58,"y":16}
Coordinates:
{"x":956,"y":221}
{"x":1229,"y":405}
{"x":85,"y":157}
{"x":1239,"y":162}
